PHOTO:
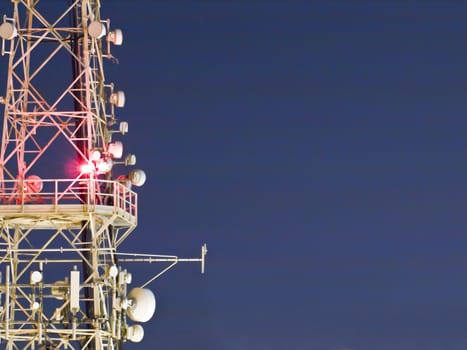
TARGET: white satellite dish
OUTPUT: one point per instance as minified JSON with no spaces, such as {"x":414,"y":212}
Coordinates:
{"x":116,"y":37}
{"x":130,"y":159}
{"x":36,"y":277}
{"x":96,"y":29}
{"x":123,"y":127}
{"x":8,"y":31}
{"x":135,"y":333}
{"x":33,"y":184}
{"x":143,"y":304}
{"x":137,"y":177}
{"x":115,"y":149}
{"x":117,"y":99}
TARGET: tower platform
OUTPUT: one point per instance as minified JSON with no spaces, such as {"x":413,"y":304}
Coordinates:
{"x":67,"y":203}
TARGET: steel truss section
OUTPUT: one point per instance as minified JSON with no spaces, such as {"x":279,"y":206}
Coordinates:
{"x":76,"y":114}
{"x":50,"y":225}
{"x":63,"y":215}
{"x":38,"y":311}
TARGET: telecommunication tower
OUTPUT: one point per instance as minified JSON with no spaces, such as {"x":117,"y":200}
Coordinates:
{"x":64,"y":284}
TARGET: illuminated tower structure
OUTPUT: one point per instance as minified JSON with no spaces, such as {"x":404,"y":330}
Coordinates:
{"x":63,"y":214}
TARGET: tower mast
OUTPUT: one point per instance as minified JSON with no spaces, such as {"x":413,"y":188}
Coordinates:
{"x":63,"y":214}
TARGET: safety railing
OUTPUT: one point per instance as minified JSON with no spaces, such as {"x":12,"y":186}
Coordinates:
{"x":58,"y":192}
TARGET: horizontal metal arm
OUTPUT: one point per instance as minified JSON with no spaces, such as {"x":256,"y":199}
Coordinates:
{"x":152,"y":258}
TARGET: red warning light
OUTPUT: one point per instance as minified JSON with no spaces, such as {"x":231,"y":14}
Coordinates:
{"x":86,"y":168}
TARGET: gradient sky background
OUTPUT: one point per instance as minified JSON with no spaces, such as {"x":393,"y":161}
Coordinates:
{"x":320,"y":149}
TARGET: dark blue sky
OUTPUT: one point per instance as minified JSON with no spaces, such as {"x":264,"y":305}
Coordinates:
{"x":320,"y":149}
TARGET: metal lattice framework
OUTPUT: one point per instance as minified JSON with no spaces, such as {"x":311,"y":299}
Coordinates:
{"x":62,"y":282}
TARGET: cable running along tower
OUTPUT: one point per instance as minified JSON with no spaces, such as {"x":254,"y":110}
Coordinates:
{"x":64,"y":284}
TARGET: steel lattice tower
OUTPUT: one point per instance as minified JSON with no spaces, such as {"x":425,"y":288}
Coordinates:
{"x":63,"y":283}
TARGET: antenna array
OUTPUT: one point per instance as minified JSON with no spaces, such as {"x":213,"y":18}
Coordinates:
{"x":63,"y":214}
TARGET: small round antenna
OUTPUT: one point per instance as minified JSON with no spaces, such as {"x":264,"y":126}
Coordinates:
{"x":135,"y":333}
{"x":8,"y":31}
{"x":33,"y":184}
{"x":116,"y":37}
{"x":137,"y":177}
{"x":96,"y":30}
{"x":116,"y":149}
{"x":118,"y":99}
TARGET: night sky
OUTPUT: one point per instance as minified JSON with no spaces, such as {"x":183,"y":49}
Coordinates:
{"x":319,"y":148}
